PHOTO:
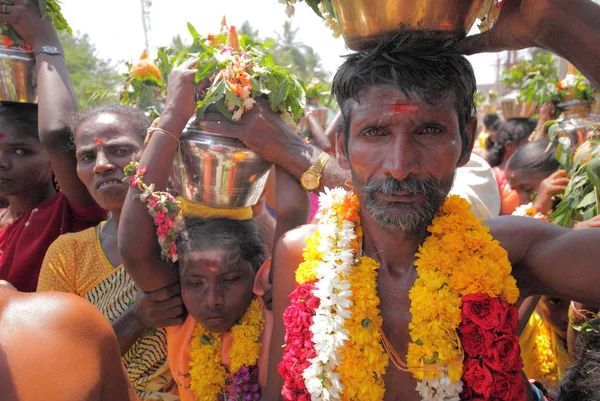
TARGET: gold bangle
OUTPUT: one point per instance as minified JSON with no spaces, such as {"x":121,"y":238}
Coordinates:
{"x":153,"y":128}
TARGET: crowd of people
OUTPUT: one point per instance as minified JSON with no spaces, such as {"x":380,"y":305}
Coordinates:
{"x":92,"y":309}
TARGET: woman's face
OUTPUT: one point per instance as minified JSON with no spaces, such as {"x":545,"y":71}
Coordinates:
{"x":216,"y":289}
{"x":24,"y":163}
{"x":525,"y":183}
{"x":104,"y":146}
{"x":555,"y":311}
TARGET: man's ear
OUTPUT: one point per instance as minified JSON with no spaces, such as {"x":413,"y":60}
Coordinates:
{"x":340,"y":151}
{"x":471,"y":133}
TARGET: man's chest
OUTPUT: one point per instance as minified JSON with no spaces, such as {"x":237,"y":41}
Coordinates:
{"x":395,"y":311}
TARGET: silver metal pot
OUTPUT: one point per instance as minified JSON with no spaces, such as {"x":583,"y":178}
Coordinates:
{"x":364,"y":22}
{"x":218,"y":171}
{"x":18,"y":81}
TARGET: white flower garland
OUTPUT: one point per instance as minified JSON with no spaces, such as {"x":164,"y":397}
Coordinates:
{"x":334,"y":292}
{"x":440,"y":389}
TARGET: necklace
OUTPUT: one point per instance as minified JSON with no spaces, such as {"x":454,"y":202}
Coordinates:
{"x":209,"y":378}
{"x":463,"y":343}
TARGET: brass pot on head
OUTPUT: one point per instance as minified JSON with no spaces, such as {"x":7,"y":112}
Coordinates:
{"x":364,"y":22}
{"x":18,"y":81}
{"x":218,"y":171}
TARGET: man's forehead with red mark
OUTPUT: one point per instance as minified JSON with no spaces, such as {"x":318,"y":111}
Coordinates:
{"x":98,"y":141}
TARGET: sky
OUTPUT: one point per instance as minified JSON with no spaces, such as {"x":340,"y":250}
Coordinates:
{"x":115,"y":27}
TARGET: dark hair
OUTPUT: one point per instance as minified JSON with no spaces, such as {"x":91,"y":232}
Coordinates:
{"x":243,"y":238}
{"x":424,"y":66}
{"x":535,"y":157}
{"x":22,"y":116}
{"x":138,"y":120}
{"x":490,"y":119}
{"x":581,"y":382}
{"x":515,"y":130}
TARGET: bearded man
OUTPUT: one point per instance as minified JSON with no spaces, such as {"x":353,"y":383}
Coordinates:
{"x":408,"y":123}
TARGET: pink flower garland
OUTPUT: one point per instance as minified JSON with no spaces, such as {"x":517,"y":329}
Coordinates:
{"x":492,"y":364}
{"x":298,"y":339}
{"x":161,"y":205}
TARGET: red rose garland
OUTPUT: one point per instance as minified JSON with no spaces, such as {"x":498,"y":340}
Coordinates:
{"x":299,"y":345}
{"x":492,"y":364}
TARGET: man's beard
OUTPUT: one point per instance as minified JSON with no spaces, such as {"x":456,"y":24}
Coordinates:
{"x":406,"y":217}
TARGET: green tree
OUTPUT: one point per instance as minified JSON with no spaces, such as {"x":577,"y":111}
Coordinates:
{"x":95,"y":80}
{"x":299,"y":58}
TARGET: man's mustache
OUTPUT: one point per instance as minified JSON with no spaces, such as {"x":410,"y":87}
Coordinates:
{"x":413,"y":186}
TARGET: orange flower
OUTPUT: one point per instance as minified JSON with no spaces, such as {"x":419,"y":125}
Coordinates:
{"x":145,"y":68}
{"x":232,"y":39}
{"x":6,"y":42}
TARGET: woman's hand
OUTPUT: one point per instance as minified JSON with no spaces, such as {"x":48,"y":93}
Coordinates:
{"x":24,"y":17}
{"x":553,"y":185}
{"x":161,"y":308}
{"x":181,"y":97}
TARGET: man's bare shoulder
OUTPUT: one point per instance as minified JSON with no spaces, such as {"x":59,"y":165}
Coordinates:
{"x":67,"y":313}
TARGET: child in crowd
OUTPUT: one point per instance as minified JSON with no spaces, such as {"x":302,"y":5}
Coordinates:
{"x":511,"y":135}
{"x":532,"y":172}
{"x":221,"y":350}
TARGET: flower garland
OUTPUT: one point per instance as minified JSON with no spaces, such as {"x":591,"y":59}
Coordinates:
{"x":546,"y":360}
{"x":333,"y":346}
{"x":467,"y":274}
{"x":463,"y":322}
{"x":209,"y":376}
{"x":162,"y":206}
{"x":529,"y":211}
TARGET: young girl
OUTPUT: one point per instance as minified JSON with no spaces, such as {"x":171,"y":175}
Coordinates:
{"x":533,"y":170}
{"x":221,"y":351}
{"x":511,"y":135}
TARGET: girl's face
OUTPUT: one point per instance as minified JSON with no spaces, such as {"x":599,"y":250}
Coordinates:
{"x":556,"y":312}
{"x":24,"y":163}
{"x":525,"y":183}
{"x":104,"y":146}
{"x":215,"y":288}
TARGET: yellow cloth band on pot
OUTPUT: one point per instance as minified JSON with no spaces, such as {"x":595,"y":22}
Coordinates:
{"x":194,"y":209}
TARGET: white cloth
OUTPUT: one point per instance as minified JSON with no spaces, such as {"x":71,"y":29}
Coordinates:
{"x":476,"y":183}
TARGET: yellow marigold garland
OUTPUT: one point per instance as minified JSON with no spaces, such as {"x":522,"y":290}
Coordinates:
{"x":208,"y":375}
{"x":364,"y":359}
{"x":459,"y":258}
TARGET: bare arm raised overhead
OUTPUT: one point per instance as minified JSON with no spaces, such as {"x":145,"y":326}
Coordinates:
{"x":138,"y":245}
{"x":567,"y":28}
{"x":56,"y":100}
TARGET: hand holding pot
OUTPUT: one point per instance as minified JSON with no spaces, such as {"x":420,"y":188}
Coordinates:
{"x":261,"y":130}
{"x":181,"y":97}
{"x":24,"y":17}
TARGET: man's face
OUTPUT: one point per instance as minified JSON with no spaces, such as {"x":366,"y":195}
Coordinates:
{"x":402,"y":155}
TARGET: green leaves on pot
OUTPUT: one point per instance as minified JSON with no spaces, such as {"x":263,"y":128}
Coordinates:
{"x":48,"y":9}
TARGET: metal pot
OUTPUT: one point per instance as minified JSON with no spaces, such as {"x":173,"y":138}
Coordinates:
{"x":18,"y":81}
{"x":364,"y":22}
{"x":218,"y":171}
